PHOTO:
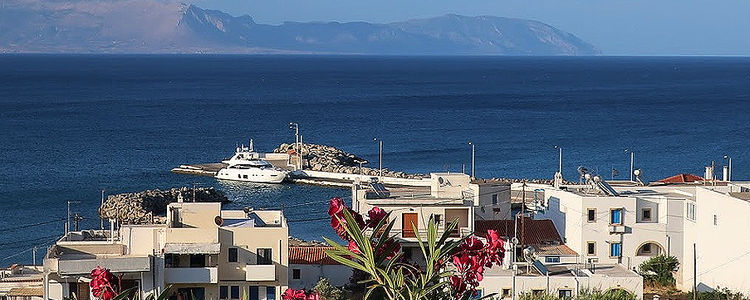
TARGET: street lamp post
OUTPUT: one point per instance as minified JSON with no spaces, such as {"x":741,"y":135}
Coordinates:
{"x":380,"y":156}
{"x":559,"y":163}
{"x":297,"y":146}
{"x":473,"y":150}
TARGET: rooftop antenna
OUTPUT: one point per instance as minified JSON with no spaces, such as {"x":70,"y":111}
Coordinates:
{"x":632,"y":162}
{"x":251,"y":148}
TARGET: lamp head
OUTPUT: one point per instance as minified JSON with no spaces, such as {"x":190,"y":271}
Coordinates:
{"x":726,"y":156}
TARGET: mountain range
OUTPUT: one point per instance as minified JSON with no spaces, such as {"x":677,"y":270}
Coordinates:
{"x":155,"y":26}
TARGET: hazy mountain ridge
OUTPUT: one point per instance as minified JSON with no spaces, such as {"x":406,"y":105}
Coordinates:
{"x":152,"y":26}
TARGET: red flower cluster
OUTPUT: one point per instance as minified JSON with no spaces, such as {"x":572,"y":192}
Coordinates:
{"x":336,"y":210}
{"x":292,"y":294}
{"x":103,"y":284}
{"x":338,"y":222}
{"x":471,"y":260}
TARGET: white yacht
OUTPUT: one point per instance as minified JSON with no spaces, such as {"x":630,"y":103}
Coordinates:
{"x":246,"y":165}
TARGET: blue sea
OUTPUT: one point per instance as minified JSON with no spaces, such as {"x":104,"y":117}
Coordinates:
{"x":73,"y":125}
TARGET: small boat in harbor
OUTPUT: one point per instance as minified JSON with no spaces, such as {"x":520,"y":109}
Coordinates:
{"x":246,"y":165}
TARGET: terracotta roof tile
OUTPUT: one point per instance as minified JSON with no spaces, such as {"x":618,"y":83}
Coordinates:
{"x":313,"y":255}
{"x":554,"y":250}
{"x":682,"y":178}
{"x":537,"y":232}
{"x":26,"y":292}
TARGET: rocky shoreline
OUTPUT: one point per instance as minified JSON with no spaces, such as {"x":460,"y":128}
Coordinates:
{"x":331,"y":159}
{"x":145,"y":207}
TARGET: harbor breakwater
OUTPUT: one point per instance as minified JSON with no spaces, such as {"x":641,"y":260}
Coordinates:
{"x":144,"y":207}
{"x":325,"y":158}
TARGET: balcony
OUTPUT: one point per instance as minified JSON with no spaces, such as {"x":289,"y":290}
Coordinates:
{"x":411,"y":235}
{"x":191,"y":275}
{"x":616,"y":228}
{"x":118,"y":264}
{"x":260,"y":273}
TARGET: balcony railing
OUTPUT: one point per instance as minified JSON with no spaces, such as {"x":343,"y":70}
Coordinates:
{"x":412,"y":235}
{"x":260,"y":273}
{"x":191,"y":275}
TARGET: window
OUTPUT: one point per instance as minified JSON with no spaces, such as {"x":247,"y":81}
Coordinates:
{"x":646,"y":248}
{"x":270,"y":293}
{"x":235,"y":292}
{"x":253,"y":291}
{"x":494,"y":199}
{"x":438,"y":218}
{"x":171,"y":260}
{"x":176,"y":218}
{"x":223,"y":292}
{"x":296,"y":274}
{"x":537,"y":292}
{"x":264,"y":256}
{"x":716,"y":220}
{"x":476,"y":296}
{"x":552,"y":259}
{"x":646,"y":214}
{"x":591,"y":215}
{"x":591,"y":248}
{"x":506,"y":293}
{"x":232,"y":257}
{"x":690,"y":211}
{"x":197,"y":260}
{"x":615,"y":249}
{"x":565,"y":294}
{"x":615,"y":216}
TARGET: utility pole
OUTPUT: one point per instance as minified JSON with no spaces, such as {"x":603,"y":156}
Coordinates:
{"x":695,"y":274}
{"x":101,"y":220}
{"x":67,"y":221}
{"x":76,"y":219}
{"x":729,"y":166}
{"x":380,"y":156}
{"x":473,"y":149}
{"x":632,"y":162}
{"x":523,"y":217}
{"x":33,"y":255}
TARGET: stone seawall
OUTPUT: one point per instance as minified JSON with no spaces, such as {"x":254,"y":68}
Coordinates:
{"x":331,"y":159}
{"x":142,"y":207}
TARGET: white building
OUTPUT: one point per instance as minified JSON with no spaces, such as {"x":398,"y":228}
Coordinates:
{"x":627,"y":224}
{"x":309,"y":264}
{"x":201,"y":250}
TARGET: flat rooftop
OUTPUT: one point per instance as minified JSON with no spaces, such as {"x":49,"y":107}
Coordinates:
{"x":566,"y":270}
{"x":414,"y":195}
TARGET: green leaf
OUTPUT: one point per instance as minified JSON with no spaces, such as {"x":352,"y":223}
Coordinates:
{"x":125,"y":294}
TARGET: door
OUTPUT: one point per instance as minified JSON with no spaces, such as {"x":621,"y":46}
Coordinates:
{"x":408,"y":223}
{"x":82,"y":291}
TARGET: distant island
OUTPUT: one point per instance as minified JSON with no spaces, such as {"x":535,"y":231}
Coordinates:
{"x":153,"y":26}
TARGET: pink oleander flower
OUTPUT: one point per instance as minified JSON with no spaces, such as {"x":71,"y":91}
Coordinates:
{"x":102,"y":284}
{"x":374,"y":216}
{"x":353,"y":247}
{"x":336,"y":209}
{"x":292,"y":294}
{"x":471,"y":260}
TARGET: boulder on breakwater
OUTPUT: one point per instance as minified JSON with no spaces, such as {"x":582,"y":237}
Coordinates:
{"x":141,"y":207}
{"x":331,"y":159}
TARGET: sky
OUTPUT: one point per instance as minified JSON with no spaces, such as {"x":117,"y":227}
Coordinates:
{"x":617,"y":27}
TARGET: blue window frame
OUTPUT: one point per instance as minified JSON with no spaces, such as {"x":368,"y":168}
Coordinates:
{"x":254,"y":293}
{"x":615,"y":249}
{"x":552,"y":259}
{"x":270,"y":293}
{"x":616,"y":216}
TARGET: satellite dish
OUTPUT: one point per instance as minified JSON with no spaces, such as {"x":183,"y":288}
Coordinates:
{"x":219,"y":221}
{"x":440,"y":180}
{"x":637,"y":172}
{"x":587,"y":176}
{"x":597,"y":179}
{"x":529,"y":253}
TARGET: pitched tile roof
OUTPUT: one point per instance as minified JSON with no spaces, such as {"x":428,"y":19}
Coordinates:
{"x":312,"y":255}
{"x":537,"y":232}
{"x":26,"y":292}
{"x":682,"y":178}
{"x":561,"y":250}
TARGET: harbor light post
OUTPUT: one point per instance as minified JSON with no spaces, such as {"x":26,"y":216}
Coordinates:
{"x":632,"y":162}
{"x":380,"y":156}
{"x":729,"y":171}
{"x":558,"y":181}
{"x":473,"y":150}
{"x":297,"y":146}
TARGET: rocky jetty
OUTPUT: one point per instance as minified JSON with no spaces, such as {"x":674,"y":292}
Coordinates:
{"x":141,"y":207}
{"x":331,"y":159}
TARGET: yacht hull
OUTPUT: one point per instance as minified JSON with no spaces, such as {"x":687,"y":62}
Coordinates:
{"x":252,"y":175}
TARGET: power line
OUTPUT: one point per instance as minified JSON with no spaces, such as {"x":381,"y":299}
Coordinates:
{"x":31,"y":225}
{"x":308,"y":220}
{"x":29,"y":240}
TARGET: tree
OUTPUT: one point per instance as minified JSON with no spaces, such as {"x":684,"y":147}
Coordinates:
{"x":658,"y":270}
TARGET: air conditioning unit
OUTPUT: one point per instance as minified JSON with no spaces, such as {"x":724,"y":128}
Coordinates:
{"x":616,"y":228}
